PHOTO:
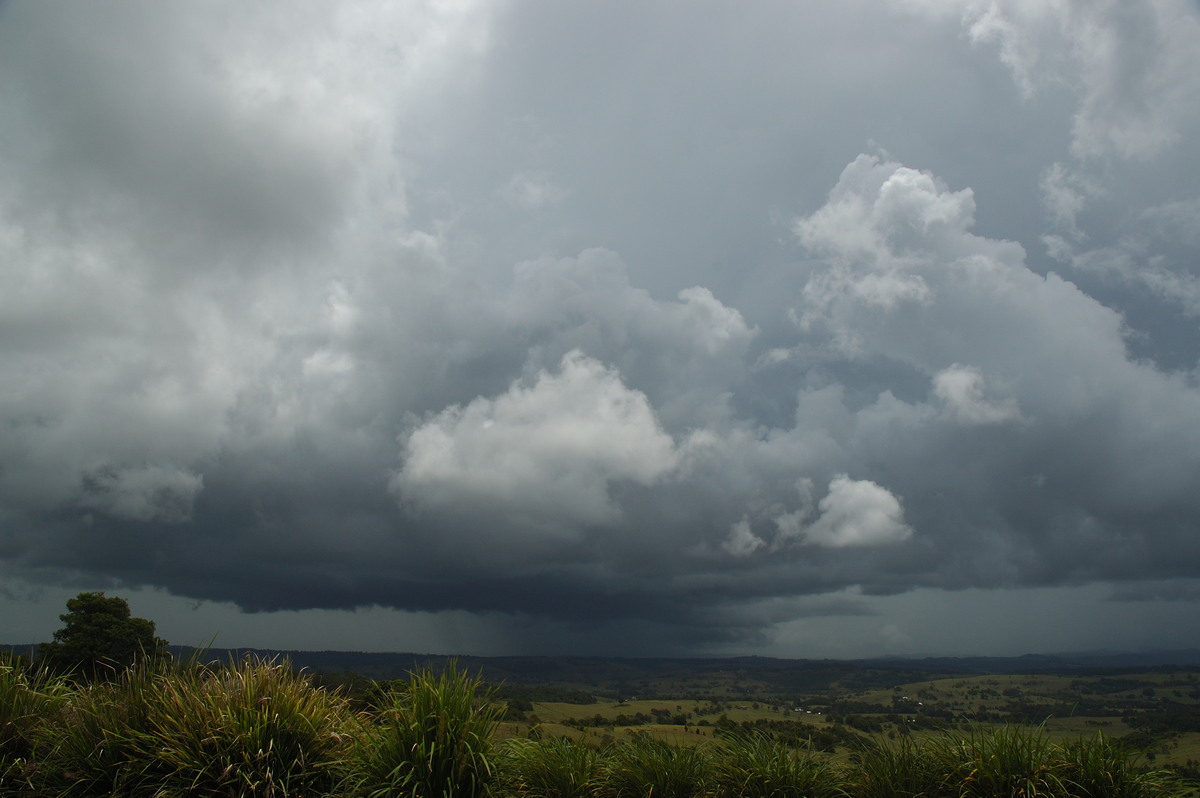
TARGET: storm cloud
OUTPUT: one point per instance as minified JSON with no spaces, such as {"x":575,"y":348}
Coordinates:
{"x":626,"y":329}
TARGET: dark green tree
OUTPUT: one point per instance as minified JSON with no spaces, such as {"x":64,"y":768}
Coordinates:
{"x":100,"y":638}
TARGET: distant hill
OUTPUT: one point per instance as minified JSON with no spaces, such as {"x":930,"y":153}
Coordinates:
{"x":1043,"y":663}
{"x":625,"y":676}
{"x":613,"y":676}
{"x":732,"y":676}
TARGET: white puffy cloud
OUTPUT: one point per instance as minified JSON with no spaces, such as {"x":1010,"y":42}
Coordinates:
{"x":857,"y":513}
{"x":544,"y":454}
{"x":885,"y":220}
{"x":981,"y":305}
{"x":590,"y":295}
{"x":876,"y":231}
{"x":686,"y":353}
{"x":961,"y":390}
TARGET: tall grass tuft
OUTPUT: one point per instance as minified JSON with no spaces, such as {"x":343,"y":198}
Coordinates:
{"x":642,"y":766}
{"x":551,"y":767}
{"x":29,"y":696}
{"x":432,"y":739}
{"x":1101,"y":767}
{"x":96,"y":743}
{"x":257,"y":729}
{"x":900,"y":768}
{"x":1010,"y":760}
{"x":756,"y":766}
{"x":1006,"y":762}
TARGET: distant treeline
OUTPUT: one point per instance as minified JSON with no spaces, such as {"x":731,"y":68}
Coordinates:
{"x":522,"y":696}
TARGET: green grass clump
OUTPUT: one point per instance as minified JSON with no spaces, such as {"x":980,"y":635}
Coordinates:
{"x":255,"y":729}
{"x":1010,"y":760}
{"x":258,"y":729}
{"x":96,"y":743}
{"x":900,"y":768}
{"x":1007,"y":762}
{"x":28,"y":696}
{"x":642,"y":766}
{"x":553,"y":767}
{"x":433,"y":739}
{"x":756,"y":766}
{"x":1102,"y":767}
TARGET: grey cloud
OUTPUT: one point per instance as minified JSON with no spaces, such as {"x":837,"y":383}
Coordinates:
{"x":1059,"y":354}
{"x":1170,"y":590}
{"x":146,"y":126}
{"x":686,"y":353}
{"x":1131,"y":65}
{"x":961,"y":389}
{"x":1128,"y":70}
{"x":1155,"y":252}
{"x":149,"y":493}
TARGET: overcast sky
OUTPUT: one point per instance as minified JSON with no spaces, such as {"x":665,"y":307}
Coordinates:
{"x":633,"y":328}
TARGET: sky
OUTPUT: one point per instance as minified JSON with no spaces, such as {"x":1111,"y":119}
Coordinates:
{"x":635,"y":328}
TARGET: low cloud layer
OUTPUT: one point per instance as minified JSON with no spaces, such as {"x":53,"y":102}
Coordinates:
{"x":443,"y":310}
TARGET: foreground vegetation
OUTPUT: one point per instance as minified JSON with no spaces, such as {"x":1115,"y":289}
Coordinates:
{"x":256,"y":728}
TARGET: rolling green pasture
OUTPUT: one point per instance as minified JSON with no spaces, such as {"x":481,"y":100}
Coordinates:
{"x":1067,"y":707}
{"x":684,"y":721}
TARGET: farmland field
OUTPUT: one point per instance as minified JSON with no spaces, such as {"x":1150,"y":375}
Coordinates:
{"x":1157,"y":712}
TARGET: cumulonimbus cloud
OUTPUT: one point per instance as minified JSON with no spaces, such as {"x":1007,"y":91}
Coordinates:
{"x":278,"y":331}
